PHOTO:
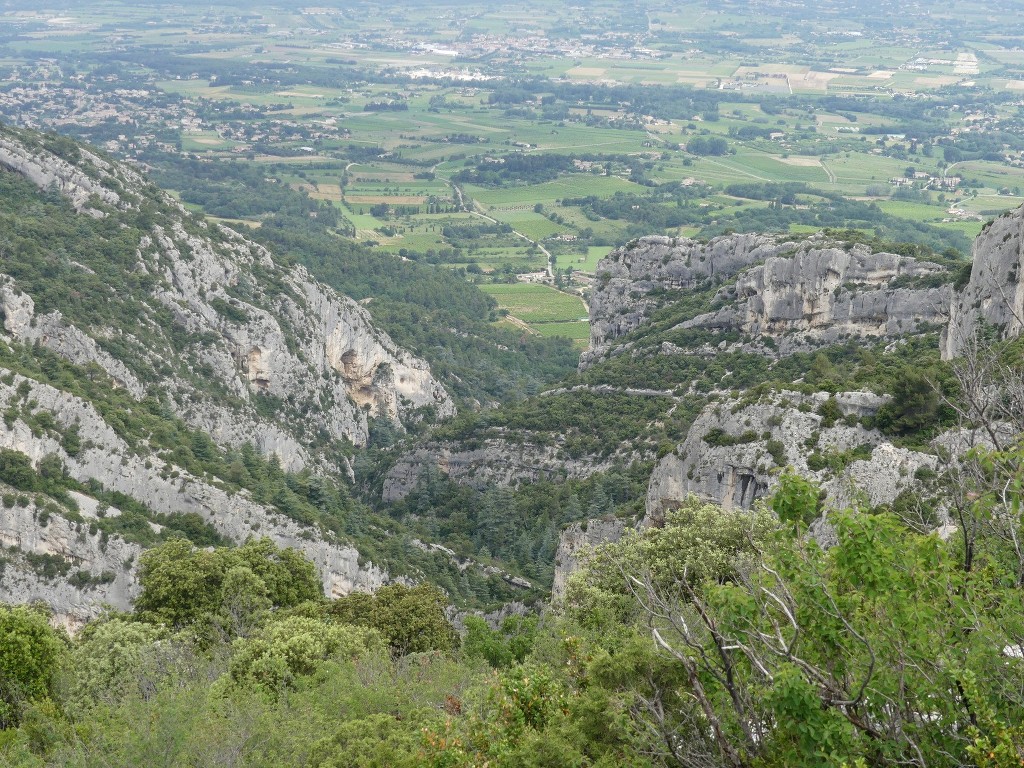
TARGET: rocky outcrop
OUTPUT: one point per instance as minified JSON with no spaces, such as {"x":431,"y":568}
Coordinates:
{"x":207,"y":328}
{"x":811,"y":292}
{"x":162,"y":486}
{"x":632,"y":280}
{"x":104,"y":568}
{"x":306,"y":345}
{"x":496,"y":461}
{"x":87,"y":183}
{"x":50,"y":330}
{"x":994,"y":295}
{"x":825,"y":295}
{"x":733,"y":453}
{"x":577,"y":538}
{"x":221,"y":327}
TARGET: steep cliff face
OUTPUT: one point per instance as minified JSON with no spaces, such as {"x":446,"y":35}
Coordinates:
{"x":811,"y":292}
{"x":734,"y":452}
{"x":497,"y":461}
{"x":164,"y":487}
{"x":86,"y":184}
{"x":632,"y":279}
{"x":251,"y":327}
{"x":823,"y":295}
{"x":204,"y":326}
{"x":98,"y":570}
{"x":576,"y":539}
{"x":306,"y":345}
{"x":994,"y":295}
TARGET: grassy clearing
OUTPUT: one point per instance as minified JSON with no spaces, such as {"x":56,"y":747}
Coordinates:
{"x":536,"y":304}
{"x":581,"y":262}
{"x":913,"y":211}
{"x":579,"y":331}
{"x":577,"y":185}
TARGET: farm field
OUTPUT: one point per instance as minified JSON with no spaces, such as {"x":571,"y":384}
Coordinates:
{"x":583,"y":263}
{"x":438,"y":135}
{"x":544,"y":310}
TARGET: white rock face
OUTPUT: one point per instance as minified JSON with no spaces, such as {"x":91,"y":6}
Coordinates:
{"x":164,"y":488}
{"x":50,"y":330}
{"x":736,"y":471}
{"x":577,"y":537}
{"x":47,"y":171}
{"x":315,"y":352}
{"x":316,"y":349}
{"x":994,"y":296}
{"x":73,"y":542}
{"x":621,"y":300}
{"x":797,"y":293}
{"x":235,"y":344}
{"x":828,"y":294}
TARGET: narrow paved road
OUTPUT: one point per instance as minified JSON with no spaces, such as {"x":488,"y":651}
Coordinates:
{"x":476,"y":212}
{"x":831,"y":176}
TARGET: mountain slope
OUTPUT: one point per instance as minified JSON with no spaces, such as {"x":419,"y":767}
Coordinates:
{"x":148,"y":359}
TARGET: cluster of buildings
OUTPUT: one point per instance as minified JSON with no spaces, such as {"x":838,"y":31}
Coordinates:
{"x":127,"y":117}
{"x":926,"y":181}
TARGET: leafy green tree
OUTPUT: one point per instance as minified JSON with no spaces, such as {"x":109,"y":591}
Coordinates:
{"x":800,"y":656}
{"x":109,"y":662}
{"x":180,"y":584}
{"x":296,"y":646}
{"x":697,"y":542}
{"x":368,"y":742}
{"x":796,"y":499}
{"x":244,"y":601}
{"x":232,"y":587}
{"x":503,"y":647}
{"x":30,"y":657}
{"x":289,"y":577}
{"x":411,"y":619}
{"x":914,"y":406}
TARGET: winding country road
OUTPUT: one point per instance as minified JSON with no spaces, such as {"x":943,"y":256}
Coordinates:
{"x":475,"y":212}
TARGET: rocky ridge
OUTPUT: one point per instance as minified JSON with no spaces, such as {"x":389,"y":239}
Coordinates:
{"x":822,"y":296}
{"x":994,"y":295}
{"x":735,"y":449}
{"x":221,"y":334}
{"x":796,"y":293}
{"x":87,"y":183}
{"x":632,"y":279}
{"x":261,"y":329}
{"x":497,"y":460}
{"x":816,"y":295}
{"x":164,"y":487}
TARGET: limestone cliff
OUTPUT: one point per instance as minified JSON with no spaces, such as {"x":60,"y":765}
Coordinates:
{"x":88,"y":183}
{"x":632,"y":280}
{"x":251,"y":327}
{"x":577,"y":538}
{"x":495,"y":461}
{"x":797,"y":293}
{"x":100,"y":570}
{"x":994,"y":295}
{"x":206,"y":327}
{"x":824,"y":295}
{"x":734,"y":451}
{"x":105,"y":458}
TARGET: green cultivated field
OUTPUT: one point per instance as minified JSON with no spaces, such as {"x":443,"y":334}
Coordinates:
{"x":583,"y":263}
{"x":536,"y":304}
{"x":545,"y":310}
{"x":377,"y":113}
{"x":579,"y":331}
